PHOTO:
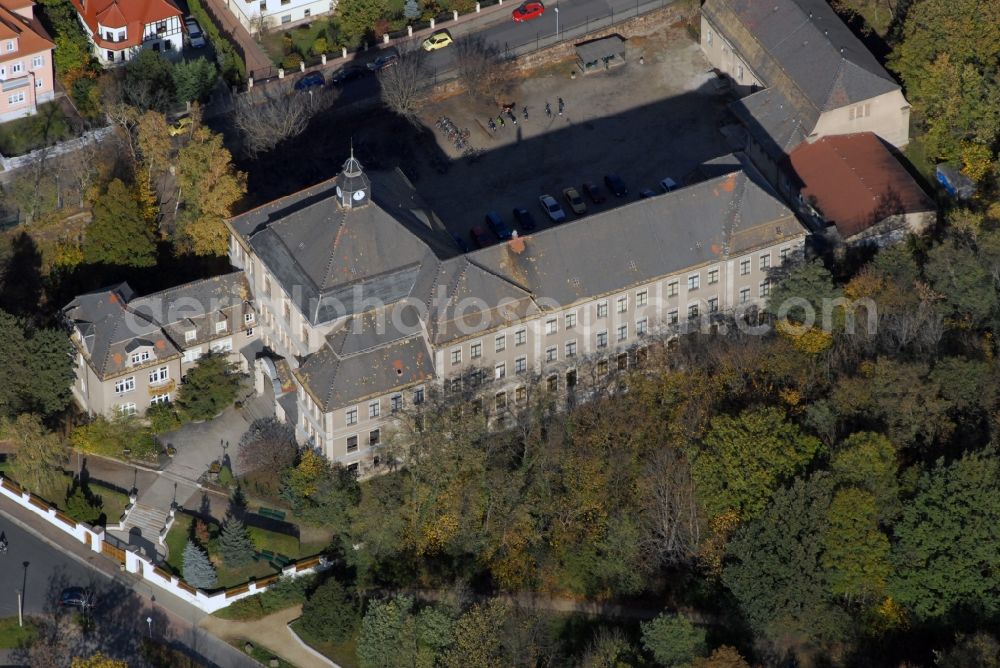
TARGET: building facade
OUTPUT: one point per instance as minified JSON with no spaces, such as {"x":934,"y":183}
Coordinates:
{"x":118,"y":29}
{"x":132,"y":352}
{"x":26,"y":69}
{"x":277,"y":14}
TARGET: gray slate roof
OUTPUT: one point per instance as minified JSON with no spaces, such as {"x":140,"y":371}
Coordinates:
{"x":776,"y":124}
{"x":599,"y":48}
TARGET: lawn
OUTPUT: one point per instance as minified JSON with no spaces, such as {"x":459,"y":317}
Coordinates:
{"x":113,"y":502}
{"x":177,"y":538}
{"x":13,"y":636}
{"x":45,"y":128}
{"x":344,"y":654}
{"x":261,"y":654}
{"x":277,"y":543}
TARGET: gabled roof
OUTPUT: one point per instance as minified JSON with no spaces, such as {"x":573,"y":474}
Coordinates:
{"x":133,"y":15}
{"x":856,"y":182}
{"x":776,"y":124}
{"x":31,"y":36}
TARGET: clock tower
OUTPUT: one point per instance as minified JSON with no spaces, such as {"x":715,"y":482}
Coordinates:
{"x":353,"y":187}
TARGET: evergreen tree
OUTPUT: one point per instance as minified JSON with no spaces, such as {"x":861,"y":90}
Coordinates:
{"x":198,"y":570}
{"x":120,"y":233}
{"x":208,"y":388}
{"x":235,"y":544}
{"x":411,"y":10}
{"x":194,"y":79}
{"x":330,"y":613}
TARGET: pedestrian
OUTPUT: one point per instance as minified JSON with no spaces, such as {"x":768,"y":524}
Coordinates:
{"x":500,"y":120}
{"x":526,"y":113}
{"x":548,"y":109}
{"x":562,"y":105}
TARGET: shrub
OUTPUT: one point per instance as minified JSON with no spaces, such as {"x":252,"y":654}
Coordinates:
{"x":209,"y":388}
{"x":284,"y":593}
{"x":83,"y":507}
{"x":163,"y":418}
{"x":330,"y":613}
{"x":319,"y":47}
{"x":112,"y":437}
{"x":291,"y":61}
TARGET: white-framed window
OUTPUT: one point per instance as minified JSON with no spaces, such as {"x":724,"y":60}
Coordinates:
{"x":224,"y":346}
{"x":500,"y":370}
{"x":39,"y":82}
{"x":552,"y":383}
{"x":139,"y":358}
{"x":570,"y":348}
{"x":127,"y":409}
{"x":520,"y":365}
{"x":602,"y":339}
{"x":374,"y":437}
{"x":418,"y":396}
{"x":520,"y":394}
{"x":692,"y":311}
{"x":374,"y":408}
{"x":37,"y":61}
{"x":520,"y":337}
{"x":641,"y":298}
{"x":11,"y":45}
{"x":249,"y":331}
{"x":287,"y":18}
{"x":249,"y":318}
{"x":17,"y":68}
{"x":159,"y":399}
{"x":765,"y":261}
{"x":160,"y":375}
{"x":860,"y":111}
{"x":744,"y":266}
{"x":744,"y":295}
{"x":672,"y":317}
{"x":500,"y":401}
{"x":622,"y":304}
{"x":191,"y":355}
{"x":569,"y":321}
{"x":602,"y":309}
{"x":124,"y":385}
{"x":672,"y":289}
{"x":622,"y":332}
{"x":640,"y":327}
{"x":476,"y":350}
{"x":190,"y":335}
{"x":784,"y":253}
{"x":551,"y":326}
{"x":351,"y":415}
{"x":764,"y":289}
{"x":220,"y":326}
{"x":602,"y":367}
{"x":694,"y":281}
{"x":713,"y":276}
{"x":456,"y":356}
{"x":396,"y":403}
{"x":551,"y":354}
{"x":500,"y":343}
{"x":352,"y":443}
{"x":713,"y":305}
{"x":709,"y":37}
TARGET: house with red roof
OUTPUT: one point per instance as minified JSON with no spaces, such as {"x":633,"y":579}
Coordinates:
{"x":118,"y":29}
{"x":26,"y":76}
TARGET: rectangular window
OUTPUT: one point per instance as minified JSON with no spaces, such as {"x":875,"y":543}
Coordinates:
{"x":552,"y":383}
{"x":520,"y":337}
{"x":713,"y":276}
{"x":267,"y":286}
{"x":159,"y":375}
{"x":16,"y":98}
{"x":418,"y":396}
{"x":220,"y":326}
{"x":570,"y":320}
{"x":10,"y":45}
{"x":672,"y":317}
{"x":287,"y":308}
{"x":551,"y":354}
{"x":351,"y":416}
{"x":500,"y":343}
{"x":622,"y":361}
{"x":249,"y":318}
{"x":223,"y":346}
{"x":190,"y":335}
{"x":126,"y":409}
{"x":602,"y":368}
{"x":351,"y":468}
{"x":500,"y":400}
{"x":640,"y":327}
{"x":571,"y":349}
{"x":571,"y":378}
{"x":744,"y":295}
{"x":500,"y":371}
{"x":744,"y":266}
{"x":713,"y":305}
{"x":602,"y":339}
{"x":139,"y":358}
{"x":520,"y":395}
{"x":602,"y":309}
{"x":520,"y":365}
{"x":551,"y":326}
{"x":352,"y":443}
{"x":374,"y":408}
{"x":159,"y":399}
{"x":307,"y":13}
{"x":16,"y":68}
{"x":622,"y":304}
{"x":456,"y":356}
{"x":692,"y":311}
{"x":694,"y":281}
{"x":396,"y":403}
{"x":39,"y":82}
{"x":287,"y":18}
{"x":641,"y":298}
{"x":783,"y":254}
{"x":124,"y":385}
{"x":708,"y":39}
{"x":374,"y":437}
{"x":672,"y":289}
{"x":476,"y":350}
{"x":764,"y":289}
{"x":765,"y":261}
{"x":192,"y":355}
{"x":622,"y":332}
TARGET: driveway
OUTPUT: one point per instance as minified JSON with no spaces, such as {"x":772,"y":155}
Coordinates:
{"x":200,"y":444}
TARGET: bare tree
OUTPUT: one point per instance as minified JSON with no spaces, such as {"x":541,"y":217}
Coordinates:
{"x":483,"y":68}
{"x":400,"y":83}
{"x":672,"y":520}
{"x":260,"y":26}
{"x":268,"y":115}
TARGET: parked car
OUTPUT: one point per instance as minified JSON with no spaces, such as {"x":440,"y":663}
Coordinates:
{"x":646,"y":193}
{"x":179,"y":127}
{"x":668,"y":184}
{"x":76,"y":597}
{"x":382,"y":62}
{"x":575,"y":201}
{"x":460,"y":242}
{"x":346,"y":74}
{"x":594,"y":192}
{"x":524,"y":219}
{"x":438,"y":40}
{"x":480,"y":237}
{"x":527,"y":11}
{"x":616,"y":185}
{"x":196,"y":38}
{"x":496,"y":224}
{"x":552,"y":208}
{"x":309,"y":81}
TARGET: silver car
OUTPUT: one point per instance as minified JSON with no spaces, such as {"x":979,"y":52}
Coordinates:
{"x":552,"y":208}
{"x":195,"y":36}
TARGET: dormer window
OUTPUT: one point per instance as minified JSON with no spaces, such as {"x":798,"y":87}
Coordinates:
{"x":140,"y":357}
{"x":220,"y":326}
{"x":190,"y":335}
{"x":11,"y":45}
{"x":248,"y":318}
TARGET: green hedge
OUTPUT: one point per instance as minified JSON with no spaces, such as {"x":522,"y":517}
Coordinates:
{"x":285,"y":593}
{"x":234,"y":70}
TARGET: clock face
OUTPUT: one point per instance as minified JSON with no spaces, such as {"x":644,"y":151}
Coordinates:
{"x":359,"y":195}
{"x":339,"y":193}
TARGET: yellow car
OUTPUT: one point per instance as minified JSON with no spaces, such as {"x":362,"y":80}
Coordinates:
{"x":438,"y":40}
{"x":180,"y":127}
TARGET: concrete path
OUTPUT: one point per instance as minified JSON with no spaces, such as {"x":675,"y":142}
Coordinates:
{"x":273,"y":633}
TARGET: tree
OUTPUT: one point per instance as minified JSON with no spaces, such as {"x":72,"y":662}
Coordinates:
{"x":722,"y":657}
{"x":400,"y":83}
{"x":40,"y":453}
{"x":411,"y":10}
{"x":98,"y":660}
{"x":609,"y":648}
{"x":330,"y":613}
{"x":38,"y":368}
{"x":120,"y":234}
{"x":81,"y":506}
{"x":743,"y":459}
{"x":867,"y":461}
{"x":947,"y":546}
{"x":978,"y":649}
{"x":269,"y":115}
{"x":357,"y":19}
{"x":386,"y":633}
{"x":799,"y":285}
{"x":855,"y":551}
{"x":479,"y":637}
{"x":673,"y":639}
{"x":154,"y":148}
{"x":969,"y":291}
{"x":194,"y":79}
{"x":210,"y":387}
{"x":672,"y":521}
{"x":266,"y":450}
{"x":483,"y":68}
{"x":149,"y":82}
{"x":209,"y":187}
{"x":235,"y":545}
{"x":198,"y":570}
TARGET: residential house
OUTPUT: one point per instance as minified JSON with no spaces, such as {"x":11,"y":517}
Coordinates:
{"x":118,"y":29}
{"x":366,"y":306}
{"x":804,"y":76}
{"x":26,"y":74}
{"x":132,"y":352}
{"x":856,"y":190}
{"x":264,"y":14}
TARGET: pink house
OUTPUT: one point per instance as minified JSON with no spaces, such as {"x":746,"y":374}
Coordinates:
{"x":26,"y":74}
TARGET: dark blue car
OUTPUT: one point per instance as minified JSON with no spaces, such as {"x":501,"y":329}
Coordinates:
{"x":616,"y":185}
{"x":495,"y":223}
{"x":311,"y":80}
{"x":524,"y":219}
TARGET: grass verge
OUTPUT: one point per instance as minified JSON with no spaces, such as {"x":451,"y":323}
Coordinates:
{"x":13,"y":636}
{"x":344,"y":654}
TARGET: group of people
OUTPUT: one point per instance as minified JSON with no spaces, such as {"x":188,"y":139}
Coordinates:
{"x":509,"y":109}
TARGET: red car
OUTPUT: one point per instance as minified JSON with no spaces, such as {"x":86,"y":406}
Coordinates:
{"x":528,"y":11}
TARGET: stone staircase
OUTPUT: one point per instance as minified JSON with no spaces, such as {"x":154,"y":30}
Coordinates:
{"x":148,"y":521}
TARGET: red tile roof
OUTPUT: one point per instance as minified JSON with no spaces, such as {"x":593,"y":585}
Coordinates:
{"x":130,"y":14}
{"x":855,"y":181}
{"x":31,"y":36}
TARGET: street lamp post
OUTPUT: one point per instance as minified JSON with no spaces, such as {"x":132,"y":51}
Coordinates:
{"x":20,"y":618}
{"x":557,"y":22}
{"x":149,"y":623}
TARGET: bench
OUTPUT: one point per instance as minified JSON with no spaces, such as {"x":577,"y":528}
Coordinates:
{"x":272,"y":514}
